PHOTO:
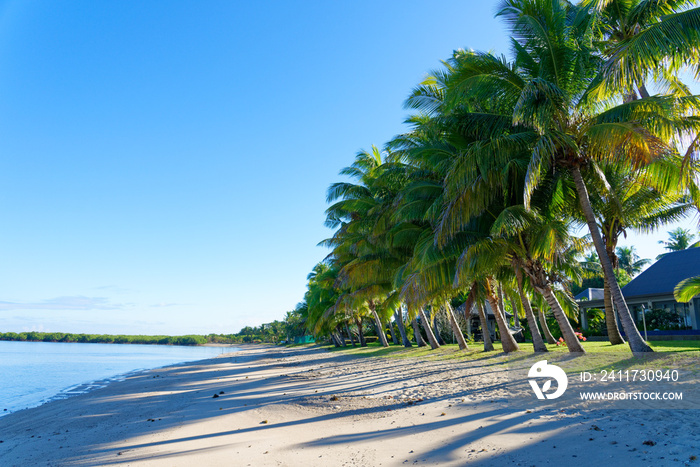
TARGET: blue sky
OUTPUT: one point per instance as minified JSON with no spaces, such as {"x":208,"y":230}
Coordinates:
{"x":164,"y":164}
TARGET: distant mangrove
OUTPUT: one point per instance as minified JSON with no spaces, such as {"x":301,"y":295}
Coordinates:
{"x":275,"y":332}
{"x":112,"y":339}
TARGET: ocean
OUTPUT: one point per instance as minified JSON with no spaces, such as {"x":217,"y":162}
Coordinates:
{"x":32,"y":373}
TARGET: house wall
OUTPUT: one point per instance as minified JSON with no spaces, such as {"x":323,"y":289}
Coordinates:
{"x":690,"y":312}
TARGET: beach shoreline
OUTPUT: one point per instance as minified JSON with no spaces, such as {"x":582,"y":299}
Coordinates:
{"x":266,"y":405}
{"x":39,"y":372}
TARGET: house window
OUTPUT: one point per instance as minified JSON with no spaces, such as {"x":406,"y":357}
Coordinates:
{"x":683,"y":311}
{"x":637,"y":313}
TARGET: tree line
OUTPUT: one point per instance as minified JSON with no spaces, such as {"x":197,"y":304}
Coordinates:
{"x":274,"y":332}
{"x":34,"y":336}
{"x":587,"y":123}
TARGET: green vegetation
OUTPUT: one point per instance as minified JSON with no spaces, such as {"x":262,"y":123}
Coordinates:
{"x":274,"y":332}
{"x":599,"y":356}
{"x":505,"y":158}
{"x":451,"y":351}
{"x":104,"y":338}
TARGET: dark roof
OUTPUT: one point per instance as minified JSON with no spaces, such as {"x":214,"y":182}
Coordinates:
{"x":663,"y":276}
{"x":590,"y":294}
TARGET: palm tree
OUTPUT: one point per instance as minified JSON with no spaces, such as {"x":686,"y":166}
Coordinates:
{"x":678,"y":239}
{"x":643,"y":39}
{"x":541,"y":304}
{"x":361,"y":212}
{"x":547,"y":126}
{"x":426,"y":277}
{"x":639,"y":200}
{"x":319,"y":298}
{"x":537,"y":341}
{"x":591,"y":265}
{"x":572,"y":131}
{"x":687,"y":289}
{"x":474,"y":176}
{"x":629,"y":260}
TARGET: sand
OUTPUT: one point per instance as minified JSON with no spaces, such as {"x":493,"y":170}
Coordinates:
{"x":310,"y":407}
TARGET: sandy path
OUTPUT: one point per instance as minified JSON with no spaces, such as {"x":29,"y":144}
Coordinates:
{"x":296,"y":407}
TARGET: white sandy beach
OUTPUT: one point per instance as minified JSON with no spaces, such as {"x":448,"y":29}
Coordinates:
{"x":307,"y":406}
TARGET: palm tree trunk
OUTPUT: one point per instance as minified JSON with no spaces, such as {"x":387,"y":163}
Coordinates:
{"x":393,"y":333}
{"x":470,"y":302}
{"x":516,"y":310}
{"x":378,"y":322}
{"x":360,"y":332}
{"x":398,"y":317}
{"x":468,"y":305}
{"x":340,"y":335}
{"x":642,"y":90}
{"x":545,"y":328}
{"x":428,"y":330}
{"x":455,"y":327}
{"x":347,"y":330}
{"x":501,"y":304}
{"x":485,"y":333}
{"x":636,"y":342}
{"x":416,"y":333}
{"x":567,"y":331}
{"x":507,"y":340}
{"x":610,"y":322}
{"x":537,"y":341}
{"x":438,"y":333}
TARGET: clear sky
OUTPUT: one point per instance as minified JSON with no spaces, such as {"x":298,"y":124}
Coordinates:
{"x":163,"y":164}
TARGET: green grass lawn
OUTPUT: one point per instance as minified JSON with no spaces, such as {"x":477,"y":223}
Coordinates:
{"x":600,"y":355}
{"x":375,"y":349}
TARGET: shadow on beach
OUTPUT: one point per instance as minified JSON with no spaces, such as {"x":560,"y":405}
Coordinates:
{"x":318,"y":401}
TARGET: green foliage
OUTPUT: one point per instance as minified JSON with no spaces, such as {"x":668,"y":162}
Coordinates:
{"x":107,"y":338}
{"x":663,"y":320}
{"x":678,"y":240}
{"x":596,"y":281}
{"x":596,"y":322}
{"x":504,"y":157}
{"x":687,"y":289}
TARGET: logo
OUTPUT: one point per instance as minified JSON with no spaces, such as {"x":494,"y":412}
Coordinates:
{"x":542,"y":370}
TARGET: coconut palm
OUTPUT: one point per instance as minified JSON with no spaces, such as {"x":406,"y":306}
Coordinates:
{"x":475,"y":177}
{"x":687,"y":289}
{"x":678,"y":239}
{"x":320,"y":296}
{"x":426,"y":277}
{"x":629,"y":260}
{"x":642,"y":40}
{"x":546,"y":125}
{"x":365,"y":263}
{"x":575,"y":134}
{"x":638,"y":200}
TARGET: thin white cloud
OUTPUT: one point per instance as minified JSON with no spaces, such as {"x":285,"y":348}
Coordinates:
{"x":76,"y":303}
{"x":164,"y":305}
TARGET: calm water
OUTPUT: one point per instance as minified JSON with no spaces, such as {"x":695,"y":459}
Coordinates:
{"x":32,"y":373}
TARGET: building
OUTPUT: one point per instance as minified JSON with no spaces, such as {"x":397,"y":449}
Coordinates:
{"x":653,"y":290}
{"x":474,"y":323}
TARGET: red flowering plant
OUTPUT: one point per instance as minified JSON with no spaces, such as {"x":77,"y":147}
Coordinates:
{"x":580,"y":336}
